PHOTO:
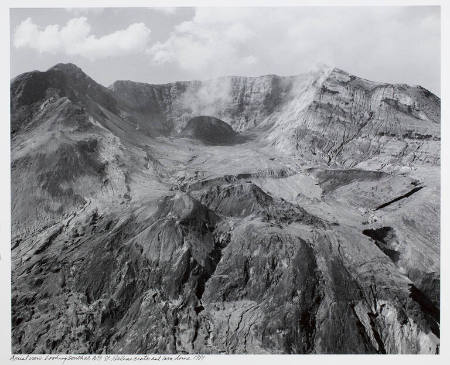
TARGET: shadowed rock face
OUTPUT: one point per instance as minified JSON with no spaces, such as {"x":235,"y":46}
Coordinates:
{"x":62,"y":80}
{"x":385,"y":239}
{"x":319,"y":234}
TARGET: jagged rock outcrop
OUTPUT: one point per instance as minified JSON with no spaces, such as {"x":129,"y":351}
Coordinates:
{"x":301,"y":215}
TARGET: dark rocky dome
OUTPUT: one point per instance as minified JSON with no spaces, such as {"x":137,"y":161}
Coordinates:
{"x":210,"y":130}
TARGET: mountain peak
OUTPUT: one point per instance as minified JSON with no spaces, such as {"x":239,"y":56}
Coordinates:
{"x":65,"y":67}
{"x":70,"y":70}
{"x":61,"y":80}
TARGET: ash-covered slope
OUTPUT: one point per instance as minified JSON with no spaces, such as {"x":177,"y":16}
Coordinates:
{"x":350,"y":122}
{"x":319,"y":234}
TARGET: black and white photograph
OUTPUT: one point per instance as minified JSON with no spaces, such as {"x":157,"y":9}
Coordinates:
{"x":215,"y":180}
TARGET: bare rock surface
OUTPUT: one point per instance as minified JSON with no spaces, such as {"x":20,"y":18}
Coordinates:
{"x":211,"y":131}
{"x":238,"y":215}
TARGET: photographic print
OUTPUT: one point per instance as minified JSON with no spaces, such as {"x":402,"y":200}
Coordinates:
{"x":225,"y":180}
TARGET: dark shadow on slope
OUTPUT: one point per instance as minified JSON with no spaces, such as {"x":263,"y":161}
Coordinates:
{"x":428,"y":283}
{"x":384,"y":238}
{"x":409,"y":193}
{"x":431,"y":312}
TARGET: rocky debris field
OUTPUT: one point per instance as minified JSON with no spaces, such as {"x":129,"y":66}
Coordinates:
{"x":238,"y":215}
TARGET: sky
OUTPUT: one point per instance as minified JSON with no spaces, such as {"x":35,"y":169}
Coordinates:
{"x":160,"y":45}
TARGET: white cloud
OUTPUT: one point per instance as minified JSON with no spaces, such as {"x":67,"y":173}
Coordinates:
{"x":207,"y":42}
{"x":75,"y":39}
{"x":164,"y":10}
{"x":250,"y":60}
{"x":384,"y":43}
{"x":80,"y":11}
